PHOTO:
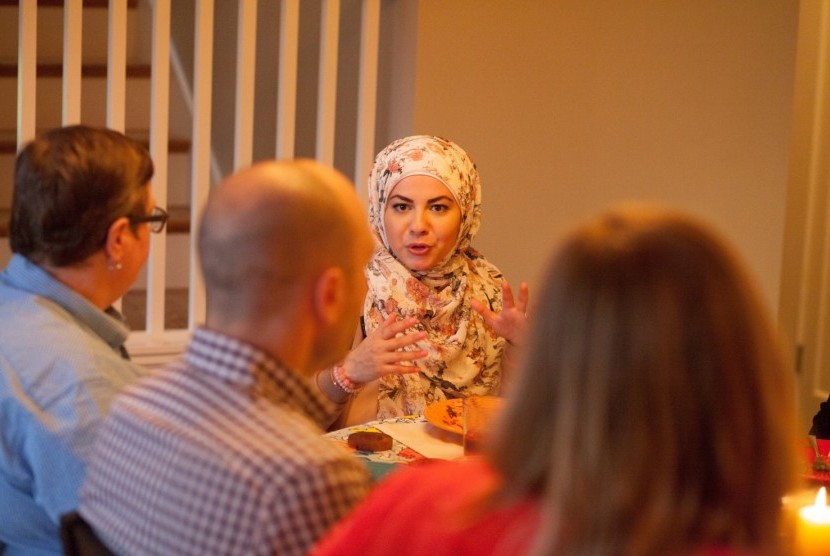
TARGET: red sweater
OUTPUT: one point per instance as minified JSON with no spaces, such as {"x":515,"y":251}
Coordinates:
{"x":431,"y":509}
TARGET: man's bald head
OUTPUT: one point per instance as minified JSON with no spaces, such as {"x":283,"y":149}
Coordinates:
{"x":270,"y":228}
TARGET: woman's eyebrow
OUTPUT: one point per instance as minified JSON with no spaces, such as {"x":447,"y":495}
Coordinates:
{"x":441,"y":198}
{"x":429,"y":201}
{"x":400,"y":197}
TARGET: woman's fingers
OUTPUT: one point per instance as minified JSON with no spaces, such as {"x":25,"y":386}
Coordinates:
{"x":524,"y":294}
{"x":509,"y":301}
{"x":406,"y":369}
{"x":507,"y":294}
{"x":398,"y":356}
{"x":405,"y":340}
{"x":482,"y":310}
{"x":399,"y":369}
{"x":391,"y":327}
{"x":393,"y":336}
{"x":382,"y":352}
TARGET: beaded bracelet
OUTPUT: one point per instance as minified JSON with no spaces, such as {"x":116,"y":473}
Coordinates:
{"x":338,"y":376}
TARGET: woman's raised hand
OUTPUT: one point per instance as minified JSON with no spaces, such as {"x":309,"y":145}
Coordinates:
{"x":381,"y":352}
{"x":511,"y":322}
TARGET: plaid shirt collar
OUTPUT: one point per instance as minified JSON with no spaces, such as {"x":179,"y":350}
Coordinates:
{"x":249,"y":368}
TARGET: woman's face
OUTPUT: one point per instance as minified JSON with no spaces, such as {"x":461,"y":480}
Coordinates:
{"x":422,"y":221}
{"x":139,"y":245}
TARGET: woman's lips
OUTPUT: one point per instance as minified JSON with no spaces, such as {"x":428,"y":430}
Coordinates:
{"x":418,"y":248}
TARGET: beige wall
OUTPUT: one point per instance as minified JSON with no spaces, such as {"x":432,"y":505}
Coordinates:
{"x":571,"y":105}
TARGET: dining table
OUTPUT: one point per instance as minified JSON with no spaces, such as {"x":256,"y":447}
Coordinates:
{"x":414,"y":440}
{"x":419,"y":438}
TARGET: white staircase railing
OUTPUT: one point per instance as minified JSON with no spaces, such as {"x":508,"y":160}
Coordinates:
{"x":157,"y":343}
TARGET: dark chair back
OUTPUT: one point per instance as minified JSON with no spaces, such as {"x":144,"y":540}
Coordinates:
{"x":78,"y":538}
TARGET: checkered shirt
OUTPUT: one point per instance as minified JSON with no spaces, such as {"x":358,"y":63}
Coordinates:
{"x":219,"y":454}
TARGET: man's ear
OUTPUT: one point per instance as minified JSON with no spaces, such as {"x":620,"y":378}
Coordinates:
{"x":114,"y":245}
{"x":329,"y":293}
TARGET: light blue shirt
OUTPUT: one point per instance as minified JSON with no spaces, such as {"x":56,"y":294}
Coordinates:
{"x":61,"y":365}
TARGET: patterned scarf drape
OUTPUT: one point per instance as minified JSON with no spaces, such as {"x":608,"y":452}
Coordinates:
{"x":464,"y":354}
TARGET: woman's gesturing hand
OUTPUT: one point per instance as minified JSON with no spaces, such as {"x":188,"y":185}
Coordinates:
{"x":511,"y":322}
{"x":381,"y":352}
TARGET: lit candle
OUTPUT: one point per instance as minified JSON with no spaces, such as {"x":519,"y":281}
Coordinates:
{"x":813,"y":529}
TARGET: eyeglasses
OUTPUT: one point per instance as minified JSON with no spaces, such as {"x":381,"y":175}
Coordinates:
{"x":157,"y":219}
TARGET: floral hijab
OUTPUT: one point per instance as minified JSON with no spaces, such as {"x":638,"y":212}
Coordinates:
{"x":464,"y":355}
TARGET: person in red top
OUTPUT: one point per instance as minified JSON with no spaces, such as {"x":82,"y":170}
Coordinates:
{"x":447,"y":513}
{"x":652,"y":414}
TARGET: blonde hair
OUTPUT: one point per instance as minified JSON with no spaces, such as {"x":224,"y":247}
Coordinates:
{"x":656,"y":414}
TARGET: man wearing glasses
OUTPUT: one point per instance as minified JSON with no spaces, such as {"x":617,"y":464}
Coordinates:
{"x":82,"y":213}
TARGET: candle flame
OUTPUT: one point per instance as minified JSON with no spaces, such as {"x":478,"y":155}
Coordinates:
{"x":821,"y":498}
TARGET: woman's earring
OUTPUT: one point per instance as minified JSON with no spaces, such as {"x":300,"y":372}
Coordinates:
{"x":114,"y":265}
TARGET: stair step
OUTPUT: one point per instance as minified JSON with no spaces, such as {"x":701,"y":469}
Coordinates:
{"x":134,"y":307}
{"x":59,"y":3}
{"x":179,"y":222}
{"x":138,"y":99}
{"x":175,"y":145}
{"x":55,"y":69}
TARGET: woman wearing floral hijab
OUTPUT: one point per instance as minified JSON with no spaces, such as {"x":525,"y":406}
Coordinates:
{"x":434,"y":308}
